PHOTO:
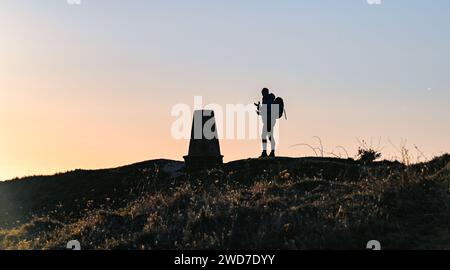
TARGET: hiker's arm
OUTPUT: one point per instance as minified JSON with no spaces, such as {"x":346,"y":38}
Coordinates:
{"x":258,"y":106}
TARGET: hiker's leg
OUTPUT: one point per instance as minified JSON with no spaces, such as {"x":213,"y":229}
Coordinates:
{"x":271,"y":136}
{"x":264,"y":138}
{"x":272,"y":142}
{"x":272,"y":145}
{"x":264,"y":144}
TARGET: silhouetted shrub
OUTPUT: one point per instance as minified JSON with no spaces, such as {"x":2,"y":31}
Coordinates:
{"x":368,"y":155}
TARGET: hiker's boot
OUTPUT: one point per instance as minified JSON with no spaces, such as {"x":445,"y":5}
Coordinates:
{"x":264,"y":154}
{"x":272,"y":154}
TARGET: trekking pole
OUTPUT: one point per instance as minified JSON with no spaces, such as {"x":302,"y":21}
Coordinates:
{"x":285,"y":115}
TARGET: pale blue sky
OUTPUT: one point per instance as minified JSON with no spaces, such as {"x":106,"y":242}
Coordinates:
{"x":346,"y":69}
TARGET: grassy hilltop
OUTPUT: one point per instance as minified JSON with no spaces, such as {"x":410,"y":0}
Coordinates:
{"x":285,"y":203}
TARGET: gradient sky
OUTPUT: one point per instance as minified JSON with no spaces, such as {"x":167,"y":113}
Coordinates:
{"x":92,"y":85}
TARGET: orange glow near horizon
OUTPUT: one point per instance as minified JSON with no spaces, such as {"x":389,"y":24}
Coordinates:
{"x":92,"y":86}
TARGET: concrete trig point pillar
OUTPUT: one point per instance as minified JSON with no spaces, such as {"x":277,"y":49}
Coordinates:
{"x":204,"y":148}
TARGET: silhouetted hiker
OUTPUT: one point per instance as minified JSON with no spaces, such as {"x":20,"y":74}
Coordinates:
{"x":272,"y":108}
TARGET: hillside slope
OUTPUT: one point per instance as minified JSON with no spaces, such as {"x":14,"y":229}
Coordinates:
{"x":286,"y":203}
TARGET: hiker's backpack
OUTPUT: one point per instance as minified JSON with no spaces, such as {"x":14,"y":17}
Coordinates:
{"x":280,"y":102}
